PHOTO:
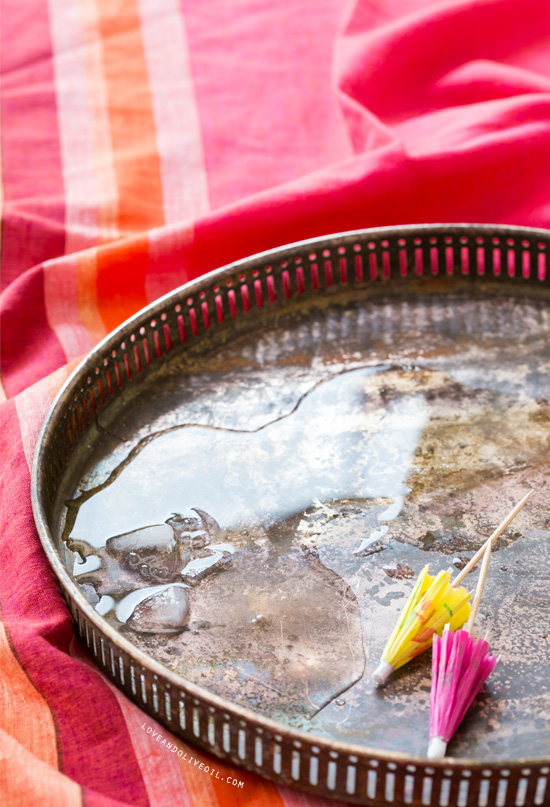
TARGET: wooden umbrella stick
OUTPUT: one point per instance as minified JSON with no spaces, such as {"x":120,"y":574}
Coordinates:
{"x":500,"y":529}
{"x":479,"y":588}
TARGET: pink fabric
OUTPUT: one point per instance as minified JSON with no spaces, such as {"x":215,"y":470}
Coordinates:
{"x":436,"y":111}
{"x":145,"y":142}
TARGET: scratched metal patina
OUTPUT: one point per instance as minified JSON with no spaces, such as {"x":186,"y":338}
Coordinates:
{"x":254,"y":520}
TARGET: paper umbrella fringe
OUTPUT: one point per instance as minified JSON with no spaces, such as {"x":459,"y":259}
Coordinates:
{"x":433,"y":603}
{"x":460,"y":667}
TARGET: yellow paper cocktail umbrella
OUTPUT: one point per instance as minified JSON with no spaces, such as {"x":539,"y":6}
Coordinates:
{"x":434,"y":602}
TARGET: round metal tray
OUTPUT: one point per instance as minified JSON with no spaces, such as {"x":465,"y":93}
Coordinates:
{"x":323,"y":294}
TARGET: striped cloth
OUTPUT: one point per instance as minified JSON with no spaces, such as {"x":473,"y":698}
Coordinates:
{"x":144,"y":142}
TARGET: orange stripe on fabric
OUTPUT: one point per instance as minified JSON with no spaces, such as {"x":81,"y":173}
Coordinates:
{"x":26,"y":781}
{"x":87,"y":295}
{"x":136,"y":160}
{"x":96,"y":92}
{"x":298,"y":798}
{"x":121,"y":273}
{"x":24,"y":713}
{"x":199,"y":784}
{"x":179,"y":138}
{"x":207,"y":790}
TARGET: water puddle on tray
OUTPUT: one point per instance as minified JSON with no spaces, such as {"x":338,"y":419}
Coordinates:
{"x":252,"y":562}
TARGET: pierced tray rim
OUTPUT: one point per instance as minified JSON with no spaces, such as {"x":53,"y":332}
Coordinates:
{"x":81,"y":607}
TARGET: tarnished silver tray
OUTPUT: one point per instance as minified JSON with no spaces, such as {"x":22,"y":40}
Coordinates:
{"x":237,"y":486}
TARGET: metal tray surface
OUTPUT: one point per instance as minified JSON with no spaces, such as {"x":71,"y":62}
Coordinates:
{"x":237,"y":488}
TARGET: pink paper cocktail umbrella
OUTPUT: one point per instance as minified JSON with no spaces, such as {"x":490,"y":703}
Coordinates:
{"x":433,"y":602}
{"x":460,"y":667}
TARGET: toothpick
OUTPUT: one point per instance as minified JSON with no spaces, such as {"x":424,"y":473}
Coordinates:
{"x":500,"y":529}
{"x":479,"y":588}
